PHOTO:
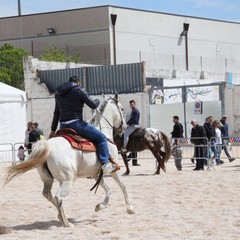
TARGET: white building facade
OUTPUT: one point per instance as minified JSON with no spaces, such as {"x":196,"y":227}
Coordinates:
{"x":159,"y":39}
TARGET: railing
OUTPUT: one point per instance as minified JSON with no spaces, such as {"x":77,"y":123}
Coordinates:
{"x":187,"y":150}
{"x":212,"y":153}
{"x":8,"y":151}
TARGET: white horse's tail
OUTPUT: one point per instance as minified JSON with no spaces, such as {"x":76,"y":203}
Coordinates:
{"x":38,"y":156}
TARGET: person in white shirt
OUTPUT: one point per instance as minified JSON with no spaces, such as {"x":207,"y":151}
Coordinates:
{"x":218,"y":141}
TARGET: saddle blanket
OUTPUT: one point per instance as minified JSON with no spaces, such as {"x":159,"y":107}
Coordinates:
{"x":76,"y":141}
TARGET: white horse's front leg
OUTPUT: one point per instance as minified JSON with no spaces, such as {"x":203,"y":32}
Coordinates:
{"x":103,"y":204}
{"x":117,"y":177}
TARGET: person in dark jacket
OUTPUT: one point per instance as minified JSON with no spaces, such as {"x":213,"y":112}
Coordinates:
{"x":177,"y":129}
{"x":199,"y":139}
{"x":225,"y":137}
{"x":33,"y":138}
{"x":69,"y":101}
{"x":210,"y":131}
{"x":132,"y":124}
{"x":176,"y":148}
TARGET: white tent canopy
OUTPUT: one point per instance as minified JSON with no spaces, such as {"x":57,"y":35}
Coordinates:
{"x":12,"y":116}
{"x":10,"y":94}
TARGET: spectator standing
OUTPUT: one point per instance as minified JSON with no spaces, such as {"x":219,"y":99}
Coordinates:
{"x":39,"y":130}
{"x":21,"y":153}
{"x":225,"y":137}
{"x":133,"y":156}
{"x":26,"y":141}
{"x":210,"y":131}
{"x":177,"y":154}
{"x":199,"y":139}
{"x":176,"y":149}
{"x":218,"y":142}
{"x":177,"y":129}
{"x":33,"y":137}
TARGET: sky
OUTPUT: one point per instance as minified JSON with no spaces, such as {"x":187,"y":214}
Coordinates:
{"x":227,"y":10}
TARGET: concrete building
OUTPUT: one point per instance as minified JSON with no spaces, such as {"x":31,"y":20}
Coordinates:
{"x":164,"y":41}
{"x":178,"y":50}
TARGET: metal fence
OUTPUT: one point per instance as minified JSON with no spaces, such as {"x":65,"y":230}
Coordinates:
{"x":213,"y":154}
{"x":187,"y":151}
{"x":8,"y":151}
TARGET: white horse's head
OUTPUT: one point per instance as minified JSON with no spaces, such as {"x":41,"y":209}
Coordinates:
{"x":109,"y":116}
{"x":119,"y":121}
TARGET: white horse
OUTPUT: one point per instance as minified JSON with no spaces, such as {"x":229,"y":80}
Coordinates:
{"x":56,"y":159}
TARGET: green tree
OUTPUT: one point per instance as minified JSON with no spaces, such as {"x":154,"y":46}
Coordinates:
{"x":76,"y":58}
{"x":53,"y":54}
{"x":11,"y":66}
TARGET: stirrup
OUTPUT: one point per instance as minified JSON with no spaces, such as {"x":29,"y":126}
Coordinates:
{"x":112,"y":160}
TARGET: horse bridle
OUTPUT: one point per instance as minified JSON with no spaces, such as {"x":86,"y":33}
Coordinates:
{"x":121,"y":124}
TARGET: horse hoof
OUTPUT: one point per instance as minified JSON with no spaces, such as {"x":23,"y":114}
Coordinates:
{"x":126,"y":174}
{"x":130,"y":210}
{"x":70,"y":225}
{"x":99,"y":207}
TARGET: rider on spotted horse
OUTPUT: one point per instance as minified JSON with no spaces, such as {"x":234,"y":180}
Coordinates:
{"x":69,"y":102}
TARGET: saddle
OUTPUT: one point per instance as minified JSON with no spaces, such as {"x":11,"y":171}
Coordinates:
{"x":76,"y":141}
{"x":138,"y":132}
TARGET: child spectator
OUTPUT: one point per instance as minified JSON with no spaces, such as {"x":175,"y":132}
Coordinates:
{"x":21,"y":155}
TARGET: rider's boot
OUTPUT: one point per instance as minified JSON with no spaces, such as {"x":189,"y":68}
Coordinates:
{"x":110,"y":166}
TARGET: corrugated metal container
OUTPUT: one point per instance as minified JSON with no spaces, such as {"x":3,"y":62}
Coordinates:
{"x":125,"y":78}
{"x":53,"y":78}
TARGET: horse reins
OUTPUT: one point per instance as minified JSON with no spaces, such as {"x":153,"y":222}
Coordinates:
{"x":107,"y":120}
{"x":109,"y":140}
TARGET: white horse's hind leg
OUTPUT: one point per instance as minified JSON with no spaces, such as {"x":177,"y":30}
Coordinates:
{"x":47,"y":192}
{"x":63,"y":191}
{"x":117,"y":177}
{"x":103,"y":204}
{"x":48,"y":183}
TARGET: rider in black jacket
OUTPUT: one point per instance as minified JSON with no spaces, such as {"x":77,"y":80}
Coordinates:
{"x":69,"y":101}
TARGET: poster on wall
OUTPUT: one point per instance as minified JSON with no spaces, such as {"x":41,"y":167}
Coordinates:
{"x":198,"y":107}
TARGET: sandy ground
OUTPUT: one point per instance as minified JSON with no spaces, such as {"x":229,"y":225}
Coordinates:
{"x":176,"y":205}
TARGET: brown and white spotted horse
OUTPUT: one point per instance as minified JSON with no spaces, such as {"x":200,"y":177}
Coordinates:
{"x":146,"y":138}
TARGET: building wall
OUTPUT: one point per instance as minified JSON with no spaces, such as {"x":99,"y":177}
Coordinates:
{"x":40,"y":104}
{"x":86,"y":30}
{"x":153,"y":37}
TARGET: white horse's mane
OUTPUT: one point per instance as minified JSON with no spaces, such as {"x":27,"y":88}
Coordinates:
{"x":96,"y":117}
